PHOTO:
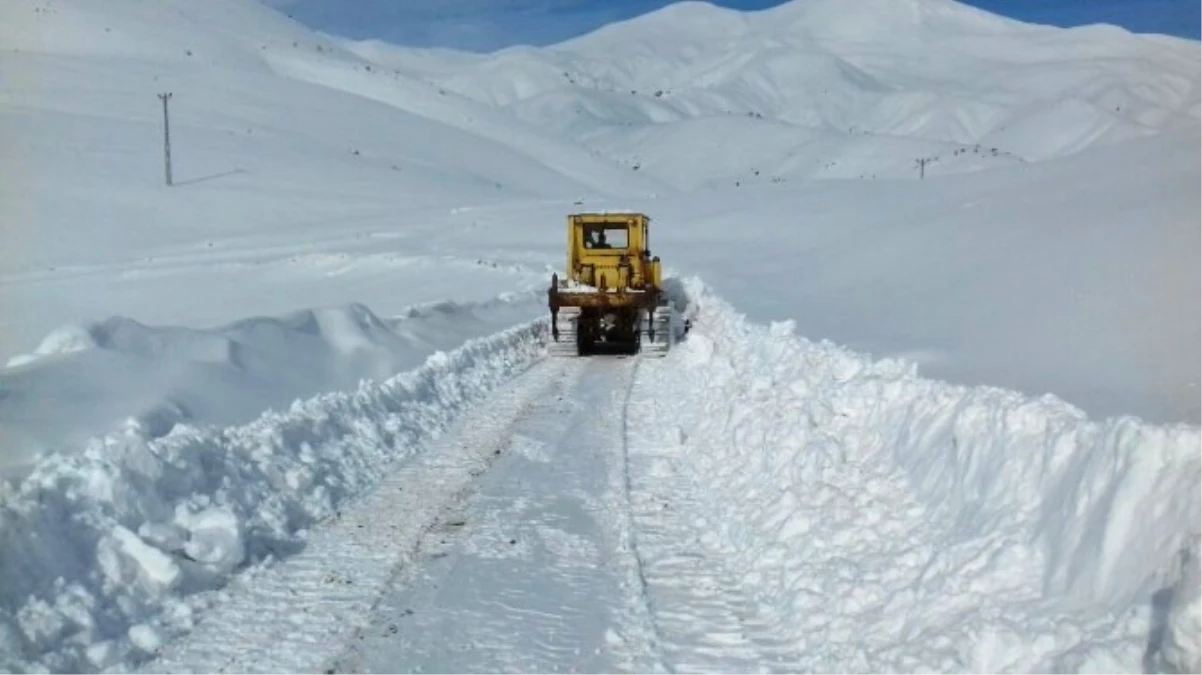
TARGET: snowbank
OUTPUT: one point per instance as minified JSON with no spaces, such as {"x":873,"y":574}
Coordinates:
{"x":903,"y":523}
{"x":107,"y":551}
{"x":91,"y":379}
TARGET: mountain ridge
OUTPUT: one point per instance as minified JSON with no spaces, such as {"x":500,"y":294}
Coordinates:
{"x":951,"y":78}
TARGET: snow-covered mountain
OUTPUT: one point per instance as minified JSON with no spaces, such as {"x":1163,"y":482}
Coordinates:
{"x":698,"y":94}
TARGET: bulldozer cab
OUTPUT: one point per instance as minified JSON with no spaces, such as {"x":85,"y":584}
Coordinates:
{"x":609,"y":249}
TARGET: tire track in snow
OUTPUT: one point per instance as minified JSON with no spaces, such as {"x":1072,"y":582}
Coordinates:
{"x":704,"y":618}
{"x":297,"y":615}
{"x":541,"y":575}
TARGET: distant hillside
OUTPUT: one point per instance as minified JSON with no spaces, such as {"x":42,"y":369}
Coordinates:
{"x":828,"y":89}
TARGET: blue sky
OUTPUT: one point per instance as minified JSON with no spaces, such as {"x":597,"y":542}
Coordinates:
{"x":487,"y":25}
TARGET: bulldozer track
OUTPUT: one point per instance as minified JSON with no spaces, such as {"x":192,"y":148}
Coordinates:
{"x":538,"y":572}
{"x":705,"y":621}
{"x":657,"y":333}
{"x":268,"y":622}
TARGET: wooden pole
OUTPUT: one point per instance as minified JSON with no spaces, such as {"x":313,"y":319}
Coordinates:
{"x":166,"y":138}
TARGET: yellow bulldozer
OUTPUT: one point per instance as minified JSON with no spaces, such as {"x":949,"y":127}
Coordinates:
{"x":611,"y":300}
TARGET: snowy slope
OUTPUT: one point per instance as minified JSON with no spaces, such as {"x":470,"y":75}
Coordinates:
{"x":264,"y":158}
{"x":943,"y":75}
{"x":297,"y":217}
{"x":194,"y":354}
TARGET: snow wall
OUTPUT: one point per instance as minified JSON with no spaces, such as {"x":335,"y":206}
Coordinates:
{"x":107,"y":552}
{"x":1012,"y":533}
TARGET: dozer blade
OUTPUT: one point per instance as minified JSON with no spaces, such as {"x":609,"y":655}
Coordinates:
{"x":657,"y":333}
{"x":565,"y":322}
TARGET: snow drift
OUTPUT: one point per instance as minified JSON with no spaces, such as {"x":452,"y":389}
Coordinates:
{"x":901,"y":523}
{"x":91,"y":379}
{"x":107,"y":551}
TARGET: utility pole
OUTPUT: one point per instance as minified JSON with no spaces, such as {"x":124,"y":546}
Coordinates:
{"x":922,"y":167}
{"x":166,"y":138}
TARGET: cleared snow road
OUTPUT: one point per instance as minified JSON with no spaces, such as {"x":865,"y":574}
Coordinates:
{"x":516,"y":542}
{"x":534,"y":572}
{"x":564,"y":559}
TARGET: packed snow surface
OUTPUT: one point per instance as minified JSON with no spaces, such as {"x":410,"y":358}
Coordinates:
{"x":937,"y":424}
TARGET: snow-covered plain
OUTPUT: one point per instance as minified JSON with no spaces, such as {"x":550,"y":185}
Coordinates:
{"x":348,"y":212}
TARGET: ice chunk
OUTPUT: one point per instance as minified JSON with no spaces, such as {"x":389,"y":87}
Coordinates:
{"x":124,"y":557}
{"x":145,"y":637}
{"x":215,"y":539}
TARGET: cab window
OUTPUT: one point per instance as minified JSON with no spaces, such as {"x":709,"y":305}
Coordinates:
{"x":599,"y":237}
